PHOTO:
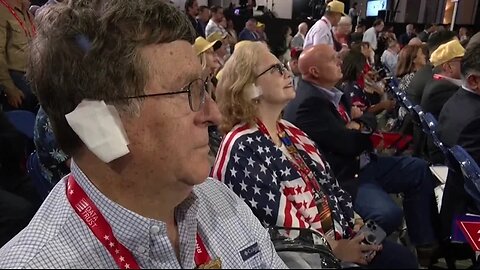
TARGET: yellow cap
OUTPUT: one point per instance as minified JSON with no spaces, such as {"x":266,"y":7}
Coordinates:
{"x":216,"y":36}
{"x":259,"y":24}
{"x":447,"y":52}
{"x":219,"y":75}
{"x":201,"y":45}
{"x":336,"y":6}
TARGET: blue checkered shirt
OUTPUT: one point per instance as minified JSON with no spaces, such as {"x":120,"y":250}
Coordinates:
{"x":58,"y":238}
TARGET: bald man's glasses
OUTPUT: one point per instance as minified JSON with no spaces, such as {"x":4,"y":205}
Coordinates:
{"x":196,"y":90}
{"x":281,"y":68}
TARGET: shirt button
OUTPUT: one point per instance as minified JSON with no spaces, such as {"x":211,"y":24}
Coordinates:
{"x":141,"y":249}
{"x":154,"y":229}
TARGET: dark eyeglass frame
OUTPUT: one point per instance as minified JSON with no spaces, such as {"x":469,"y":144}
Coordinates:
{"x":281,"y":68}
{"x":186,"y":89}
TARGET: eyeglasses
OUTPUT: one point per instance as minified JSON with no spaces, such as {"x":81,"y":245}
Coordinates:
{"x":278,"y":67}
{"x":196,"y":89}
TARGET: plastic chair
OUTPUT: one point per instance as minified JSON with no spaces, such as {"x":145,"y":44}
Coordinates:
{"x":35,"y":173}
{"x":23,"y":121}
{"x":470,"y":171}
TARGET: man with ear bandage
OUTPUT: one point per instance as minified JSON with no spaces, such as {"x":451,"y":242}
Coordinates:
{"x":129,"y":103}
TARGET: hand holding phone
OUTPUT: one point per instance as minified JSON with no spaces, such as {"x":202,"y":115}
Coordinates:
{"x":374,"y":235}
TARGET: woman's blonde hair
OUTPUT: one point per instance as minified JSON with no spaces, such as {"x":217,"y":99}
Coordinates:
{"x":238,"y":77}
{"x":203,"y":58}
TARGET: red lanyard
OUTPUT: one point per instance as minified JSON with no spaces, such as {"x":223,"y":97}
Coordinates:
{"x":93,"y":218}
{"x":307,"y":175}
{"x":299,"y":164}
{"x":22,"y":24}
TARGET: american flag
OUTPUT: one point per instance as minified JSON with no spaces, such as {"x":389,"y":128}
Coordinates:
{"x":263,"y":176}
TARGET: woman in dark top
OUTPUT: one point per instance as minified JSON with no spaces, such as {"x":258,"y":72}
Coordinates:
{"x":353,"y":69}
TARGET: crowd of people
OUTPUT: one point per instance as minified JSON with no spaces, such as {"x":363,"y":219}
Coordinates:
{"x":165,"y":139}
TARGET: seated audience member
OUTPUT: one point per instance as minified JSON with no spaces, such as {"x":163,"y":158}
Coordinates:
{"x":293,"y":65}
{"x":192,"y":11}
{"x":205,"y":51}
{"x":420,"y":80}
{"x":424,"y":75}
{"x":324,"y":113}
{"x":427,"y":32}
{"x":446,"y":61}
{"x":463,"y":35}
{"x":221,"y":51}
{"x":352,"y":70}
{"x":390,"y":56}
{"x":459,"y":124}
{"x":214,"y":24}
{"x":148,"y":205}
{"x":409,"y":34}
{"x":276,"y":168}
{"x":250,"y":31}
{"x":16,"y":31}
{"x":232,"y":35}
{"x":299,"y":38}
{"x":18,"y":197}
{"x":410,"y":60}
{"x":357,"y":36}
{"x":342,"y":31}
{"x":262,"y":36}
{"x":203,"y":16}
{"x":52,"y":160}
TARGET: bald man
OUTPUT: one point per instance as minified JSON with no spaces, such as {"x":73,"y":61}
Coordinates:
{"x":299,"y":38}
{"x":325,"y":114}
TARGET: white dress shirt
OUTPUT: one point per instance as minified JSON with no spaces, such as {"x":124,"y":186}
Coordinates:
{"x":320,"y":33}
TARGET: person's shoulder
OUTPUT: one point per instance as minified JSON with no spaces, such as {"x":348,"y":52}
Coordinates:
{"x":34,"y":247}
{"x":216,"y":199}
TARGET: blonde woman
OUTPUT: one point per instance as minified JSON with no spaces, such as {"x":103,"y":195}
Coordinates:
{"x":272,"y":164}
{"x":206,"y":53}
{"x":210,"y":65}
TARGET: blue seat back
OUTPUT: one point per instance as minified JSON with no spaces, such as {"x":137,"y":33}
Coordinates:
{"x":470,"y":171}
{"x":23,"y":121}
{"x":35,"y":173}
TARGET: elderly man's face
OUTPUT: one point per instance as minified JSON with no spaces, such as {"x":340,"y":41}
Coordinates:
{"x":167,"y":138}
{"x":328,"y":68}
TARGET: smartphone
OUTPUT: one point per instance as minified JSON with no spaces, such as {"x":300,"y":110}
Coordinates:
{"x":374,"y":234}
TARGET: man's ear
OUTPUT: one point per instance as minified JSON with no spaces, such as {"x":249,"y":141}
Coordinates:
{"x":473,"y":82}
{"x":313,"y":72}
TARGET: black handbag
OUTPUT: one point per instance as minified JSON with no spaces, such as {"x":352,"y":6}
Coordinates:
{"x":303,"y":248}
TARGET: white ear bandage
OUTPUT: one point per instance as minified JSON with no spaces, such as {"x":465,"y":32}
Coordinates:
{"x":253,"y":91}
{"x":99,"y":127}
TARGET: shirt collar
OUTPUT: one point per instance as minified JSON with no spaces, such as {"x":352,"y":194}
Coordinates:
{"x":334,"y":95}
{"x":466,"y":88}
{"x":327,"y":21}
{"x":122,"y":220}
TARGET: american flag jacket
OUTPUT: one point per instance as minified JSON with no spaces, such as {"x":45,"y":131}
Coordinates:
{"x":261,"y":174}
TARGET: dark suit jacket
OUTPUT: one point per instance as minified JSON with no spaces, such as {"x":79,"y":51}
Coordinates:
{"x":436,"y":94}
{"x":313,"y":113}
{"x":459,"y":123}
{"x":418,"y":83}
{"x":423,"y":36}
